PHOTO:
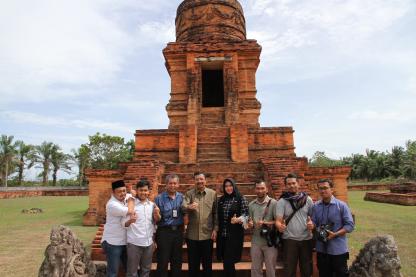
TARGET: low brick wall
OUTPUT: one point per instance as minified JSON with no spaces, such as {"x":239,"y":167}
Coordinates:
{"x":369,"y":187}
{"x":6,"y":193}
{"x":392,"y":198}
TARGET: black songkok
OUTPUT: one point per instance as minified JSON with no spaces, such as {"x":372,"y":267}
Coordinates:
{"x":118,"y":184}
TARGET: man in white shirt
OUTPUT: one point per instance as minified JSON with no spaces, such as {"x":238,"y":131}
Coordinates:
{"x":114,"y":237}
{"x":140,"y":229}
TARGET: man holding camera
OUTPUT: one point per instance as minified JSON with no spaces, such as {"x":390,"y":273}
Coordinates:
{"x":332,"y":220}
{"x":262,"y":212}
{"x":294,"y":209}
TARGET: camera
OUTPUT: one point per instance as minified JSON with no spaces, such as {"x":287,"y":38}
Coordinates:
{"x":269,"y":234}
{"x":322,"y":232}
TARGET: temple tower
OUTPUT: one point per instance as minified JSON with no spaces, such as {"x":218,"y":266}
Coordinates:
{"x":212,"y":67}
{"x":213,"y":119}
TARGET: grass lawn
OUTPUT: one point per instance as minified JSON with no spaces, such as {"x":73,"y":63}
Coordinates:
{"x":24,"y":237}
{"x":374,"y":219}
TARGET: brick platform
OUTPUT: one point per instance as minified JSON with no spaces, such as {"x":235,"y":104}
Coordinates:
{"x":408,"y":199}
{"x":213,"y":123}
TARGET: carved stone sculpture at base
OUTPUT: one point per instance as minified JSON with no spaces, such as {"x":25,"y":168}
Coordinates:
{"x":378,"y":258}
{"x":66,"y":256}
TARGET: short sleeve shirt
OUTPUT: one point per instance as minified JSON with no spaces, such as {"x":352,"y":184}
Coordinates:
{"x":296,"y":229}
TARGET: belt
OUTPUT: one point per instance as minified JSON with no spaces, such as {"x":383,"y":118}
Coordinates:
{"x":171,"y":227}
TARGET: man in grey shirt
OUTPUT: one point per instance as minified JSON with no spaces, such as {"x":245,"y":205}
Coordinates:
{"x":262,"y":210}
{"x":297,"y":233}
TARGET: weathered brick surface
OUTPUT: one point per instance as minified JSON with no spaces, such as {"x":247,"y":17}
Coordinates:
{"x":409,"y":187}
{"x":408,"y":199}
{"x":39,"y":192}
{"x":368,"y":187}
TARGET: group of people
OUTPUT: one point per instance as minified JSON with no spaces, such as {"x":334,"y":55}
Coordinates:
{"x":136,"y":226}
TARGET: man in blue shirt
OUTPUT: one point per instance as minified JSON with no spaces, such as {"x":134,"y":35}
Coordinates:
{"x":169,"y":234}
{"x":332,"y":220}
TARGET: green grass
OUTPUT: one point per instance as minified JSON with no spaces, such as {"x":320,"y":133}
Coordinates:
{"x":24,"y":237}
{"x":374,"y":219}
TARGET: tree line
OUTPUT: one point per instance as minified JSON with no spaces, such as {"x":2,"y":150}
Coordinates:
{"x":399,"y":162}
{"x":101,"y":152}
{"x":106,"y":152}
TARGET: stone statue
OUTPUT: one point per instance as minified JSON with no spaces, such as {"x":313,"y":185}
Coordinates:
{"x":378,"y":258}
{"x":66,"y":256}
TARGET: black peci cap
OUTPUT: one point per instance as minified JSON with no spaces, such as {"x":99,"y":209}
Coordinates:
{"x":117,"y":184}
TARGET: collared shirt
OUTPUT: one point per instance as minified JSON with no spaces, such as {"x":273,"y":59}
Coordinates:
{"x":167,"y":205}
{"x":114,"y":233}
{"x":141,"y":232}
{"x":204,"y":220}
{"x":256,"y":211}
{"x":339,"y":214}
{"x":296,"y":229}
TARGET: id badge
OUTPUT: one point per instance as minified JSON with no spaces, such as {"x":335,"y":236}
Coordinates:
{"x":175,"y":213}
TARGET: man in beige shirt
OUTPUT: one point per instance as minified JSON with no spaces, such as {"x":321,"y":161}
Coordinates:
{"x":200,"y":203}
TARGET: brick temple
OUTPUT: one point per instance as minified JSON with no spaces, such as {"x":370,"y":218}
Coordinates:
{"x":213,"y":118}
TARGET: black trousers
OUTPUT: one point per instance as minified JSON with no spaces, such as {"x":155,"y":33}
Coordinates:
{"x":333,"y":265}
{"x":298,"y":251}
{"x":200,"y":251}
{"x":228,"y":258}
{"x":169,"y":250}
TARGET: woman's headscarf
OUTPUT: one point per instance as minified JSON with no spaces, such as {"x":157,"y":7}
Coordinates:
{"x":235,"y":193}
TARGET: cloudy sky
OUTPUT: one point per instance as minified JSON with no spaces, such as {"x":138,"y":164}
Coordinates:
{"x":341,"y":72}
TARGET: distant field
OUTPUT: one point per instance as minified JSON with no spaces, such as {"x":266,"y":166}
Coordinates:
{"x":374,"y":219}
{"x":24,"y":237}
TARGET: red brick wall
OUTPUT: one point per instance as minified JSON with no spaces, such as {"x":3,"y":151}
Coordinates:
{"x":31,"y":193}
{"x":392,"y":198}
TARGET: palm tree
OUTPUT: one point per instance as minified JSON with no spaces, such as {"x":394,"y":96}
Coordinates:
{"x":7,"y":155}
{"x":395,"y":161}
{"x":81,"y":157}
{"x":409,"y":164}
{"x":60,"y":161}
{"x":25,"y":157}
{"x":43,"y":157}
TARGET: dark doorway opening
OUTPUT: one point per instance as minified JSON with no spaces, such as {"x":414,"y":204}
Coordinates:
{"x":212,"y":88}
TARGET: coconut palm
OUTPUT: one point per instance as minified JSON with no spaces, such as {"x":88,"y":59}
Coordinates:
{"x":43,"y":158}
{"x":409,"y":164}
{"x":59,"y":161}
{"x":81,"y":157}
{"x":7,"y":156}
{"x":25,"y":159}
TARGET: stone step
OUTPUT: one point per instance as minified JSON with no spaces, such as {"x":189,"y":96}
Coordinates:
{"x":213,"y":139}
{"x":213,"y":146}
{"x":218,"y":177}
{"x":207,"y":132}
{"x":245,"y":256}
{"x":244,"y":188}
{"x":243,"y":268}
{"x":213,"y":166}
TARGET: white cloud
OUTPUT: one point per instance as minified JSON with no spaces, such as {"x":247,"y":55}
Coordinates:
{"x":411,"y":86}
{"x":37,"y":119}
{"x":403,"y":114}
{"x":331,"y":34}
{"x":155,"y":32}
{"x":52,"y":44}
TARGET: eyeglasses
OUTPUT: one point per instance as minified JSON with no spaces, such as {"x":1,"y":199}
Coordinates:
{"x":323,"y":188}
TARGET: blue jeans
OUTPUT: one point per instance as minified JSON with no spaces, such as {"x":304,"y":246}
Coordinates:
{"x":114,"y":254}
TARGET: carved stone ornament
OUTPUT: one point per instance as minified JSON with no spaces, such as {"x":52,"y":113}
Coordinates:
{"x":378,"y":258}
{"x":66,"y":256}
{"x":216,"y":20}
